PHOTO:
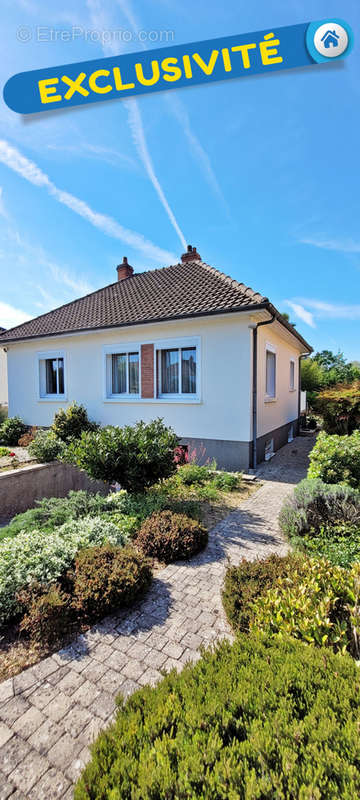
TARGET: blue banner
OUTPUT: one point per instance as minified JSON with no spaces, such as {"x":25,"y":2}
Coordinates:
{"x":176,"y":66}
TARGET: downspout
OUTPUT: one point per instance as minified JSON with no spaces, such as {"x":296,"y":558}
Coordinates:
{"x":255,"y":327}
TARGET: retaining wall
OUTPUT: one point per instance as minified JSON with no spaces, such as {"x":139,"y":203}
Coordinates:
{"x":19,"y":489}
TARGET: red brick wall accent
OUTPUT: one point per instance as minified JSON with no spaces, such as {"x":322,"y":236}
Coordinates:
{"x":147,"y":370}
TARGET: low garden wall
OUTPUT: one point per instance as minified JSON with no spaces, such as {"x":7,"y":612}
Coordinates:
{"x":19,"y":489}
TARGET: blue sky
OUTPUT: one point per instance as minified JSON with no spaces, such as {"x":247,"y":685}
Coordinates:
{"x":261,"y":174}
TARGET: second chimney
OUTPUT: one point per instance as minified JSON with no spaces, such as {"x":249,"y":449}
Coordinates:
{"x":191,"y":255}
{"x":124,"y":270}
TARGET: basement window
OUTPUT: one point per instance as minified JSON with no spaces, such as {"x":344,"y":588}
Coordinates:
{"x":51,"y":376}
{"x":269,"y":449}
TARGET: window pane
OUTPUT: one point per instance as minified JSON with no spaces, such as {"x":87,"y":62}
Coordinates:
{"x":60,"y":362}
{"x":188,"y":370}
{"x":270,"y":373}
{"x":134,"y":373}
{"x":170,"y":371}
{"x":119,"y":373}
{"x":51,"y":369}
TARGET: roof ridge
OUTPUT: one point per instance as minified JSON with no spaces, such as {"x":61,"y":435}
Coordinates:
{"x":231,"y":281}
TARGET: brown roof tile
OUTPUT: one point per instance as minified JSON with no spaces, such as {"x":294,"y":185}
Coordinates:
{"x":182,"y":290}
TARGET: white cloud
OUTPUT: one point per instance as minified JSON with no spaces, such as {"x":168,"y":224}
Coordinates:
{"x":333,"y":310}
{"x":302,"y":313}
{"x":342,"y":245}
{"x":180,"y":112}
{"x":10,"y":156}
{"x":3,"y":211}
{"x":101,"y":21}
{"x":11,"y":316}
{"x":88,"y":150}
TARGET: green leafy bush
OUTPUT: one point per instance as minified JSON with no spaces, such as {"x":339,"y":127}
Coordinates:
{"x":11,"y":430}
{"x":4,"y":451}
{"x":317,"y":603}
{"x":168,"y":536}
{"x":46,"y":447}
{"x":49,"y":614}
{"x":339,"y":543}
{"x":51,"y":512}
{"x":192,"y":473}
{"x":135,"y":456}
{"x":267,"y":720}
{"x":69,"y":423}
{"x":249,"y":580}
{"x":34,"y":557}
{"x":314,"y":504}
{"x":107,"y":578}
{"x":227,"y":481}
{"x":340,"y":407}
{"x":336,"y":459}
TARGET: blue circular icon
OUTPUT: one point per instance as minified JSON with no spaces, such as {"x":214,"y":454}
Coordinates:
{"x":329,"y":39}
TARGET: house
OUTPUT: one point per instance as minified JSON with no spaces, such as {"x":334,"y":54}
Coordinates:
{"x":330,"y":39}
{"x":3,"y":375}
{"x":187,"y":343}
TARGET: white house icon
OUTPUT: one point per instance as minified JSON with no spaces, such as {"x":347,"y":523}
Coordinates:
{"x":330,"y":39}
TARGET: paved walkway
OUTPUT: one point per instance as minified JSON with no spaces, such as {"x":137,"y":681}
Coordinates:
{"x":50,"y":713}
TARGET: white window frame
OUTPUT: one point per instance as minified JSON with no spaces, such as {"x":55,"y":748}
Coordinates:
{"x":50,"y":355}
{"x":270,"y":348}
{"x":292,"y":388}
{"x":123,"y":348}
{"x":178,"y":344}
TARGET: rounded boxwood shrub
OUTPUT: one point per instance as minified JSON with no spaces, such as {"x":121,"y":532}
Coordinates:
{"x":168,"y":536}
{"x":249,"y":580}
{"x":136,"y":456}
{"x":336,"y":459}
{"x":49,"y":614}
{"x":11,"y":430}
{"x":109,"y":577}
{"x":254,"y":721}
{"x":69,"y":423}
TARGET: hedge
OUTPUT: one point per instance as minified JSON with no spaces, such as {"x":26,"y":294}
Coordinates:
{"x":275,"y":721}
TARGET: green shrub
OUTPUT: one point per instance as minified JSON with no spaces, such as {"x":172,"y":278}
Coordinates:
{"x":69,"y":423}
{"x":249,"y":580}
{"x":339,"y":543}
{"x":340,"y":407}
{"x":107,"y":578}
{"x":51,"y":512}
{"x":314,"y":504}
{"x":227,"y":481}
{"x":126,"y":524}
{"x":45,"y":447}
{"x":135,"y":456}
{"x":34,"y":557}
{"x":315,"y":603}
{"x":49,"y":615}
{"x":11,"y":430}
{"x":168,"y":536}
{"x":336,"y":459}
{"x":266,"y":720}
{"x":4,"y":451}
{"x":192,"y":473}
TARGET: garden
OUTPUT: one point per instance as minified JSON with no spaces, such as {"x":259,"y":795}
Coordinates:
{"x":70,"y":561}
{"x":276,"y":714}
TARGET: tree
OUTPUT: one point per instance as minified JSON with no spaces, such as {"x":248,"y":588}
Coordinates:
{"x":336,"y":368}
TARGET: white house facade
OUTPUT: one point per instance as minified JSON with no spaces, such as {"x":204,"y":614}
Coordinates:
{"x":192,"y":364}
{"x":3,"y":375}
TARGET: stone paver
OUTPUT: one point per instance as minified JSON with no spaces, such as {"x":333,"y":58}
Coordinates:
{"x":52,"y":712}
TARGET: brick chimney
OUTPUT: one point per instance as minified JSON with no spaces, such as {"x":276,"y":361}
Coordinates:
{"x":124,"y":270}
{"x":190,"y":255}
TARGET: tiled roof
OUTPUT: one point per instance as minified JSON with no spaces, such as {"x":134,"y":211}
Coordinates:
{"x":183,"y":290}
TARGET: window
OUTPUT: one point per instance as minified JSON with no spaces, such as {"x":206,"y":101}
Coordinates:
{"x":122,"y":372}
{"x":292,"y":375}
{"x":125,"y":373}
{"x":51,"y":375}
{"x":269,"y":449}
{"x":270,"y":374}
{"x":177,"y":371}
